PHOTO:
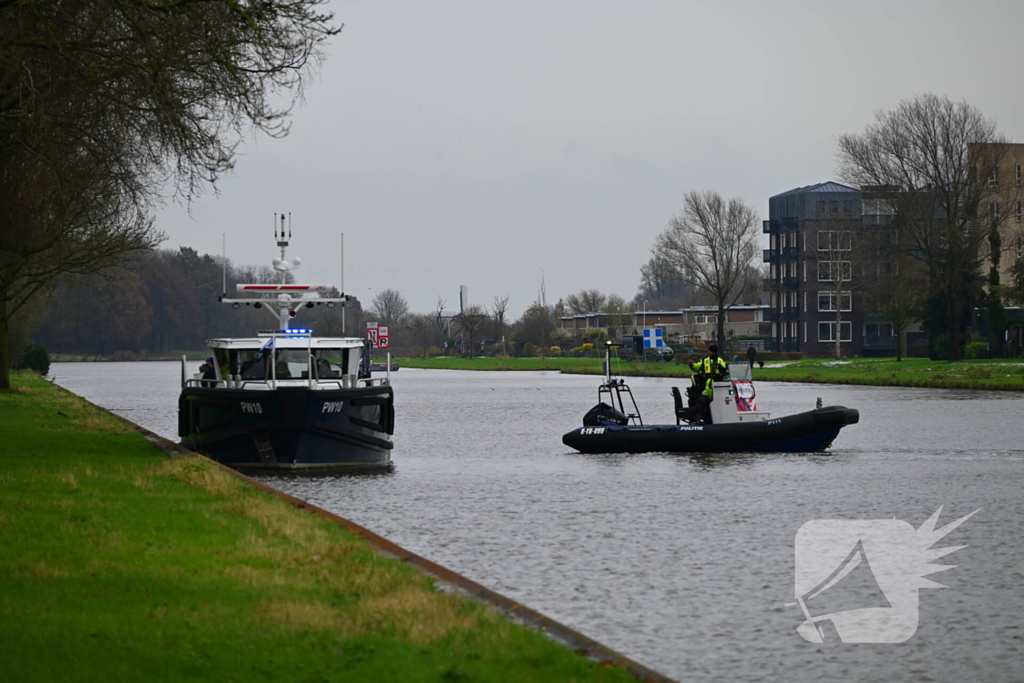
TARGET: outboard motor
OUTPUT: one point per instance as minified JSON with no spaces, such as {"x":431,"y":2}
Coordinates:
{"x":604,"y":415}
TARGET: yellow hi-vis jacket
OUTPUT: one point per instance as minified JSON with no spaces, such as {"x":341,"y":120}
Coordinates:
{"x":713,"y":369}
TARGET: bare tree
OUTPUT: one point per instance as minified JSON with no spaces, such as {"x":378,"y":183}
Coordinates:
{"x":499,"y":310}
{"x":472,"y":321}
{"x":712,"y":242}
{"x":390,"y":306}
{"x":103,"y":102}
{"x":422,"y":327}
{"x":618,"y":315}
{"x":839,"y":269}
{"x":936,"y":156}
{"x":587,"y":301}
{"x":661,"y":285}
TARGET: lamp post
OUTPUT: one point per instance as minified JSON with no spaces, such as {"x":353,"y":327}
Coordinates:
{"x":643,"y":342}
{"x":645,"y":314}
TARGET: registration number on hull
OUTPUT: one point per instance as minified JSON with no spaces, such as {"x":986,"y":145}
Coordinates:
{"x":592,"y":430}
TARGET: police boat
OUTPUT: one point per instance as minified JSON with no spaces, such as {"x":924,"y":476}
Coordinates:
{"x":285,"y":400}
{"x":736,"y":425}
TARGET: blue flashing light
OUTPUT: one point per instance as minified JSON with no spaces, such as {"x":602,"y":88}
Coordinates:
{"x":302,"y":332}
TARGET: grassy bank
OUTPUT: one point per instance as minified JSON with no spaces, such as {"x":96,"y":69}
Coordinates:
{"x":1006,"y":375}
{"x":120,"y":563}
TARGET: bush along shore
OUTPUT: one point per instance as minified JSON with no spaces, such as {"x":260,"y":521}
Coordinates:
{"x":995,"y":374}
{"x":121,"y":563}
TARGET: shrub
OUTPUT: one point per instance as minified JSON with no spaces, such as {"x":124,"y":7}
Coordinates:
{"x":555,"y":351}
{"x":35,"y":357}
{"x":975,"y":350}
{"x":529,"y":349}
{"x":939,"y":347}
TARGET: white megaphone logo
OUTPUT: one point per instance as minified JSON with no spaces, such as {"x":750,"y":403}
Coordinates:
{"x":857,"y":580}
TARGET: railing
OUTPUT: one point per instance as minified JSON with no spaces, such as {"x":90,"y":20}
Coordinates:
{"x":791,"y":282}
{"x":770,"y":256}
{"x":881,"y":220}
{"x":788,"y":223}
{"x":790,"y":253}
{"x":879,"y":342}
{"x":790,"y":313}
{"x":236,"y":382}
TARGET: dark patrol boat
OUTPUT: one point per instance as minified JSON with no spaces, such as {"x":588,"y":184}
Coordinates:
{"x":285,"y":400}
{"x":736,"y":425}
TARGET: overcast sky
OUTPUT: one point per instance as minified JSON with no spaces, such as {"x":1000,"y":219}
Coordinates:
{"x":488,"y":144}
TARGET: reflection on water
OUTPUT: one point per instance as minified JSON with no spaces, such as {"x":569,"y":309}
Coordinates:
{"x":682,"y":562}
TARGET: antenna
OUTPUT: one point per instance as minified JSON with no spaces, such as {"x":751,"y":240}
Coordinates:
{"x":342,"y":283}
{"x":224,"y":263}
{"x":275,"y":227}
{"x":289,"y":225}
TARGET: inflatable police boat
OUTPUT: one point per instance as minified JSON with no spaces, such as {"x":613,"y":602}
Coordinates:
{"x":735,"y":426}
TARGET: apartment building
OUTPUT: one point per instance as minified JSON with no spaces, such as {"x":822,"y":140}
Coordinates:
{"x":816,"y":267}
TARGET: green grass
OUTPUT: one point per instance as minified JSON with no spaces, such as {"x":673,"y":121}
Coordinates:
{"x":1000,"y":374}
{"x":996,"y":374}
{"x":119,"y":563}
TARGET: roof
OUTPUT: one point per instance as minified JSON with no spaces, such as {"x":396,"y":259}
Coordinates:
{"x":829,"y":186}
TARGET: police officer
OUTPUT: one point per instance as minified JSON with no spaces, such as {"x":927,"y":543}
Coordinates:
{"x":707,"y":371}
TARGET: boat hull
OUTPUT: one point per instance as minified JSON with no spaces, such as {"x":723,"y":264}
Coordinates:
{"x":807,"y":432}
{"x":290,"y":429}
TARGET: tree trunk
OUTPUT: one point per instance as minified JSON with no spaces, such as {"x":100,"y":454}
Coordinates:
{"x":953,"y":312}
{"x":5,"y":352}
{"x":839,"y":326}
{"x":899,"y":344}
{"x":721,"y":330}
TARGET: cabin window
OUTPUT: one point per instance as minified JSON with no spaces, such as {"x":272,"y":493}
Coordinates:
{"x":331,"y":363}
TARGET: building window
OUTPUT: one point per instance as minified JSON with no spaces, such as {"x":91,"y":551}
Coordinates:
{"x":827,"y":301}
{"x":993,"y":180}
{"x":887,"y":269}
{"x":1020,"y":247}
{"x":832,"y":271}
{"x":1018,"y":174}
{"x":1019,"y":216}
{"x":834,"y":240}
{"x":827,"y":332}
{"x":993,"y":211}
{"x":819,"y":208}
{"x":848,"y":207}
{"x":878,"y":329}
{"x":833,"y":206}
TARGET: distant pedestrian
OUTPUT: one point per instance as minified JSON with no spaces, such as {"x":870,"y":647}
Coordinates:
{"x":752,"y":356}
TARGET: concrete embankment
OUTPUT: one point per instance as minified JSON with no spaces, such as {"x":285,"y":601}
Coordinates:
{"x":120,"y":560}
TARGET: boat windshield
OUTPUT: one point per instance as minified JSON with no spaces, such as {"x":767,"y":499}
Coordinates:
{"x":252,"y":364}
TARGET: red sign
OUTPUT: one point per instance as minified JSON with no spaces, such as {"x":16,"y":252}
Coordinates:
{"x":383,"y":337}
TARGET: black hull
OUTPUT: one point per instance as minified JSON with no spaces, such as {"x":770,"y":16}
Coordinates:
{"x":292,"y":429}
{"x":801,"y":433}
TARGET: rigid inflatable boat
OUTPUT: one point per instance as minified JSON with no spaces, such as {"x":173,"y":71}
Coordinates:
{"x":736,"y":425}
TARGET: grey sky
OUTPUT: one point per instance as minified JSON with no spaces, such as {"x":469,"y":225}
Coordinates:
{"x":483,"y":143}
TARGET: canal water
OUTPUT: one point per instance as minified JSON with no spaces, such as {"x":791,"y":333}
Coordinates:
{"x":684,"y":563}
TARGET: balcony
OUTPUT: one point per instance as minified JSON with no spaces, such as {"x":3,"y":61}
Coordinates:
{"x":790,"y":313}
{"x":790,"y":253}
{"x":791,"y":282}
{"x":880,"y":220}
{"x":879,"y":342}
{"x":770,"y":256}
{"x":771,"y":227}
